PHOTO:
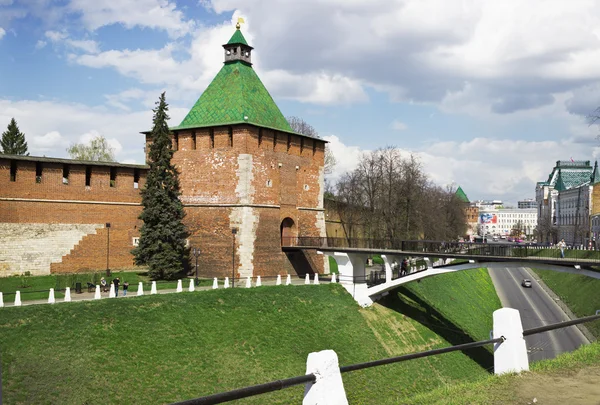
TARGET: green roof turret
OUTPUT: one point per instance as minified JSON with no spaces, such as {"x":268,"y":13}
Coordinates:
{"x":461,"y":195}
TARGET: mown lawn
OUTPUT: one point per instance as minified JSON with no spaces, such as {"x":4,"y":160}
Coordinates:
{"x":580,"y":293}
{"x":167,"y":348}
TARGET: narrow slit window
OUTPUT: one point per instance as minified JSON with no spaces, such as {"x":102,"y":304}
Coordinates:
{"x":65,"y":176}
{"x":13,"y":170}
{"x":260,"y":136}
{"x":39,"y":168}
{"x":314,"y":147}
{"x":175,"y":141}
{"x":88,"y":176}
{"x":136,"y":178}
{"x":301,"y":145}
{"x":274,"y":140}
{"x":193,"y":140}
{"x":289,"y":142}
{"x":230,"y":137}
{"x":113,"y":176}
{"x":212,"y":138}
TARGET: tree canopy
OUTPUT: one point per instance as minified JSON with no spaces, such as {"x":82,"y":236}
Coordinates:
{"x":97,"y":150}
{"x":163,"y":235}
{"x":13,"y":140}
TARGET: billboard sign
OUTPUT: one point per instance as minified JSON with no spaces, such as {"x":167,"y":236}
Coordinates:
{"x":488,"y":218}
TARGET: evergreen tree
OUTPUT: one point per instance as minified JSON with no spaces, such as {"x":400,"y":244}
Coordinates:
{"x":162,"y":236}
{"x":13,"y":140}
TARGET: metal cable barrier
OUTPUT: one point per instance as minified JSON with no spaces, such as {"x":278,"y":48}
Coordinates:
{"x":289,"y":382}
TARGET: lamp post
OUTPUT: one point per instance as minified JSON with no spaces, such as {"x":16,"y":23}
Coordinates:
{"x":196,"y":253}
{"x":107,"y":248}
{"x":233,"y":232}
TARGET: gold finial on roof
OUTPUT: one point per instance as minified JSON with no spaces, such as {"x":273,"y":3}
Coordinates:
{"x":239,"y":21}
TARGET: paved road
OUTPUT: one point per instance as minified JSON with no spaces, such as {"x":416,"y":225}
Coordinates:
{"x":537,"y":308}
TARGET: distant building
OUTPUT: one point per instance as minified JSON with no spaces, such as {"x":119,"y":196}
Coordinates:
{"x":527,"y":203}
{"x":504,"y":221}
{"x":471,"y":212}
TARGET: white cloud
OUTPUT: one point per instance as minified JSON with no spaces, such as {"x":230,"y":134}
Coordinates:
{"x":346,"y":156}
{"x":40,"y":44}
{"x":85,"y":45}
{"x":2,"y":32}
{"x":62,"y":37}
{"x":156,"y":14}
{"x":56,"y":36}
{"x":399,"y":125}
{"x":47,"y":142}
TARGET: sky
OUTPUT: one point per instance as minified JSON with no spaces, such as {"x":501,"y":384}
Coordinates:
{"x":488,"y":94}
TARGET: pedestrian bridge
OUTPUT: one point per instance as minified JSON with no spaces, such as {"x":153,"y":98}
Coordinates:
{"x":430,"y":258}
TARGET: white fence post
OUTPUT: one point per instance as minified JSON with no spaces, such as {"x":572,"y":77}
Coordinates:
{"x":288,"y":280}
{"x":111,"y":293}
{"x":140,"y":289}
{"x":97,"y":295}
{"x":248,"y":282}
{"x":18,"y":299}
{"x":258,"y":282}
{"x":307,"y":279}
{"x":316,"y":279}
{"x":153,"y":288}
{"x":328,"y":387}
{"x":179,"y":286}
{"x":1,"y":300}
{"x":216,"y":283}
{"x":51,"y":299}
{"x":278,"y":282}
{"x":67,"y":294}
{"x":226,"y":285}
{"x":192,"y":287}
{"x":510,"y":356}
{"x":333,"y":280}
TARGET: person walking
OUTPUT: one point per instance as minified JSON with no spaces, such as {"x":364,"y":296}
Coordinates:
{"x":125,"y":287}
{"x":562,"y":245}
{"x":116,"y":282}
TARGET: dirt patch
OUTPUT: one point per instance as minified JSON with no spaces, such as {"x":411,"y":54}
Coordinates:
{"x":578,"y":388}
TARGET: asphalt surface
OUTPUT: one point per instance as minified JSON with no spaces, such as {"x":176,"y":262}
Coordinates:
{"x":537,"y":308}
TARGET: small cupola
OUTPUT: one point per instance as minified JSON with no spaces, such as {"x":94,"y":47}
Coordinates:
{"x":237,"y":49}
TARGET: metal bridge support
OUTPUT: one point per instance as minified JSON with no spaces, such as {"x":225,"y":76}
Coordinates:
{"x":388,"y":260}
{"x":510,"y":356}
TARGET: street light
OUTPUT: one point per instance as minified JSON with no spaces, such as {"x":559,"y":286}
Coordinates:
{"x":196,"y":253}
{"x":107,"y":248}
{"x":233,"y":232}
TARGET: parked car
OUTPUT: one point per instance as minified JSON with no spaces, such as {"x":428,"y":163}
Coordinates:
{"x":526,"y":283}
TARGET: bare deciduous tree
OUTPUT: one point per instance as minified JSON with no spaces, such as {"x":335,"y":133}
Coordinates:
{"x":302,"y":127}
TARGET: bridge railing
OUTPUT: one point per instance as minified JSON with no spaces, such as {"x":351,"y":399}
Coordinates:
{"x":530,"y":251}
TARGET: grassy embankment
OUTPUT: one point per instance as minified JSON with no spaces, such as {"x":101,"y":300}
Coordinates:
{"x":167,"y":348}
{"x":578,"y":292}
{"x":36,"y":287}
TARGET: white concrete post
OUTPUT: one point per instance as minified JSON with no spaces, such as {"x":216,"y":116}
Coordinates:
{"x":329,"y":387}
{"x":97,"y":295}
{"x":153,"y":288}
{"x":111,"y":293}
{"x":140,"y":289}
{"x":307,"y":279}
{"x":428,"y":263}
{"x":226,"y":282}
{"x":216,"y":283}
{"x":316,"y":279}
{"x":191,"y":287}
{"x":511,"y":355}
{"x":51,"y":299}
{"x":67,"y":294}
{"x":278,"y":282}
{"x":248,"y":282}
{"x":388,"y":260}
{"x":258,"y":282}
{"x":1,"y":300}
{"x":18,"y":299}
{"x":333,"y":280}
{"x":179,"y":286}
{"x":288,"y":280}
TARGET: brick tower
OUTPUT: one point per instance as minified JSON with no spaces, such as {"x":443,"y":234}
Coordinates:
{"x":247,"y":180}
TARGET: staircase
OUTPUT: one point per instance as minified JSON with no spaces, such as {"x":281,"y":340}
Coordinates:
{"x":34,"y":247}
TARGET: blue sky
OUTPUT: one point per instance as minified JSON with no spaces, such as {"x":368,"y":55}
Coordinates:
{"x":488,"y":94}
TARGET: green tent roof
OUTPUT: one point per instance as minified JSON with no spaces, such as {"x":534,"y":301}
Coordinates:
{"x":560,"y":185}
{"x":235,"y":96}
{"x":237,"y":38}
{"x":595,"y":177}
{"x":461,"y":195}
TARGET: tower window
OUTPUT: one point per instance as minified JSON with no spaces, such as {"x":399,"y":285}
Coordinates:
{"x":113,"y":176}
{"x":289,"y":142}
{"x":136,"y":178}
{"x":274,"y":140}
{"x":301,"y":145}
{"x":260,"y":135}
{"x":193,"y":140}
{"x":88,"y":176}
{"x":13,"y":170}
{"x":38,"y":172}
{"x":230,"y":130}
{"x":314,"y":147}
{"x":175,"y":141}
{"x":212,"y":138}
{"x":66,"y":170}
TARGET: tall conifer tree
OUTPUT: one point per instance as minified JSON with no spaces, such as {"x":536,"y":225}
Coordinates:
{"x":13,"y":140}
{"x":162,"y":240}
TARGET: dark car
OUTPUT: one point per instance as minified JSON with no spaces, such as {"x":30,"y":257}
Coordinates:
{"x":526,"y":283}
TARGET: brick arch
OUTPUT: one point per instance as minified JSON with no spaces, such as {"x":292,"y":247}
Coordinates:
{"x":288,"y":231}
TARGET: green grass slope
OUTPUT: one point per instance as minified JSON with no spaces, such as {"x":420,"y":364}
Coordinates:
{"x":580,"y":293}
{"x":167,"y":348}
